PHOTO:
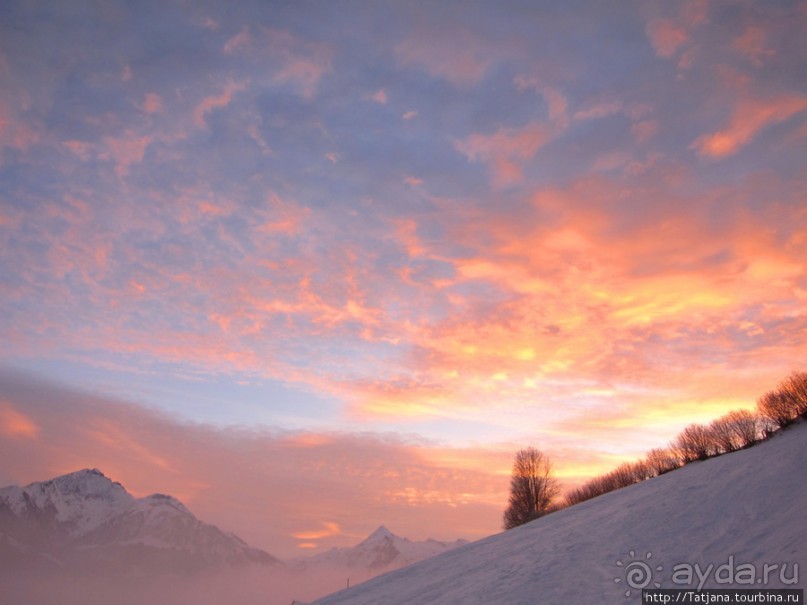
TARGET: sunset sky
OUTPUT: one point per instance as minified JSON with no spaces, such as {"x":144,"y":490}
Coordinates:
{"x":312,"y":267}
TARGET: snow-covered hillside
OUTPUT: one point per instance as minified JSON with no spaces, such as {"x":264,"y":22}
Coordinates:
{"x":84,"y":519}
{"x":745,"y":508}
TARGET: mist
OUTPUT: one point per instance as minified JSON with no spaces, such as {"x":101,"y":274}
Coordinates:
{"x":236,"y":587}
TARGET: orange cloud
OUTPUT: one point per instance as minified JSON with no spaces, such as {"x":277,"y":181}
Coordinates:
{"x":328,"y":530}
{"x":748,"y":119}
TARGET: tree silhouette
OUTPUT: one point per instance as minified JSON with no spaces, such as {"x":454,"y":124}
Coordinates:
{"x":532,"y":488}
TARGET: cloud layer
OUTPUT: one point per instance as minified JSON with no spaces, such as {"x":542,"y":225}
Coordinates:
{"x":578,"y":227}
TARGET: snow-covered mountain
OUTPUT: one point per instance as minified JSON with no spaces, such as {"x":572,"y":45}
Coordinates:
{"x":84,"y":519}
{"x":380,"y":551}
{"x":710,"y":519}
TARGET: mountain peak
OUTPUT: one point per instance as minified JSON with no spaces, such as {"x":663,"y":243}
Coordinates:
{"x":379,"y":535}
{"x":88,"y":481}
{"x":382,"y":531}
{"x":86,"y":516}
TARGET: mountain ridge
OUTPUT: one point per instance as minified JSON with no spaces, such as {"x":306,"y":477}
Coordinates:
{"x":84,"y":519}
{"x":381,"y":550}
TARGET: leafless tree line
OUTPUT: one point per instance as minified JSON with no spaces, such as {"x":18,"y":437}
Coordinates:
{"x":736,"y":430}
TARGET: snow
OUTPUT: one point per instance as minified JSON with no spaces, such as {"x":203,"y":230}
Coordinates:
{"x":82,"y":500}
{"x":742,"y":508}
{"x":92,"y":512}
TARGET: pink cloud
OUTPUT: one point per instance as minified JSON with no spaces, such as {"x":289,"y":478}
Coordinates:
{"x":379,"y":96}
{"x":749,"y":118}
{"x":456,"y":56}
{"x":152,"y":104}
{"x":505,"y":150}
{"x":217,"y":101}
{"x":126,"y":151}
{"x":556,"y":102}
{"x":13,"y":131}
{"x":295,"y":61}
{"x":644,"y":130}
{"x":666,"y":37}
{"x":15,"y":424}
{"x":238,"y":42}
{"x":599,"y":110}
{"x":81,"y":148}
{"x":751,"y":44}
{"x":281,"y":216}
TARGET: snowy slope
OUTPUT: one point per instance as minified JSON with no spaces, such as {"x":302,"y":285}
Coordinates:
{"x":749,"y":507}
{"x":381,"y":550}
{"x":84,"y":519}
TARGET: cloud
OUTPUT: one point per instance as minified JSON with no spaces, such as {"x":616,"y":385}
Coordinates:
{"x":540,"y":243}
{"x":15,"y":424}
{"x":666,"y":37}
{"x":644,"y":130}
{"x":152,"y":104}
{"x":379,"y":96}
{"x":752,"y":44}
{"x":506,"y":150}
{"x":14,"y":132}
{"x":670,"y":34}
{"x":750,"y":116}
{"x":330,"y":488}
{"x":599,"y":110}
{"x":217,"y":101}
{"x":327,"y":530}
{"x":294,"y":61}
{"x":126,"y":150}
{"x":457,"y":55}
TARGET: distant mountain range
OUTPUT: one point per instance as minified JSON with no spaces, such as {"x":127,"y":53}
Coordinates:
{"x":85,"y":521}
{"x":380,"y":551}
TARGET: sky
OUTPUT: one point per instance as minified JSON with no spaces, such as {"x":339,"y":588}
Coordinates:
{"x":312,"y":267}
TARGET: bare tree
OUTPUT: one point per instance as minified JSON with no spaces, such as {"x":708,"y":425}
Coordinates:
{"x":662,"y":460}
{"x":724,"y":435}
{"x":746,"y":427}
{"x":695,"y":442}
{"x":778,"y":407}
{"x":532,"y":488}
{"x":795,"y":386}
